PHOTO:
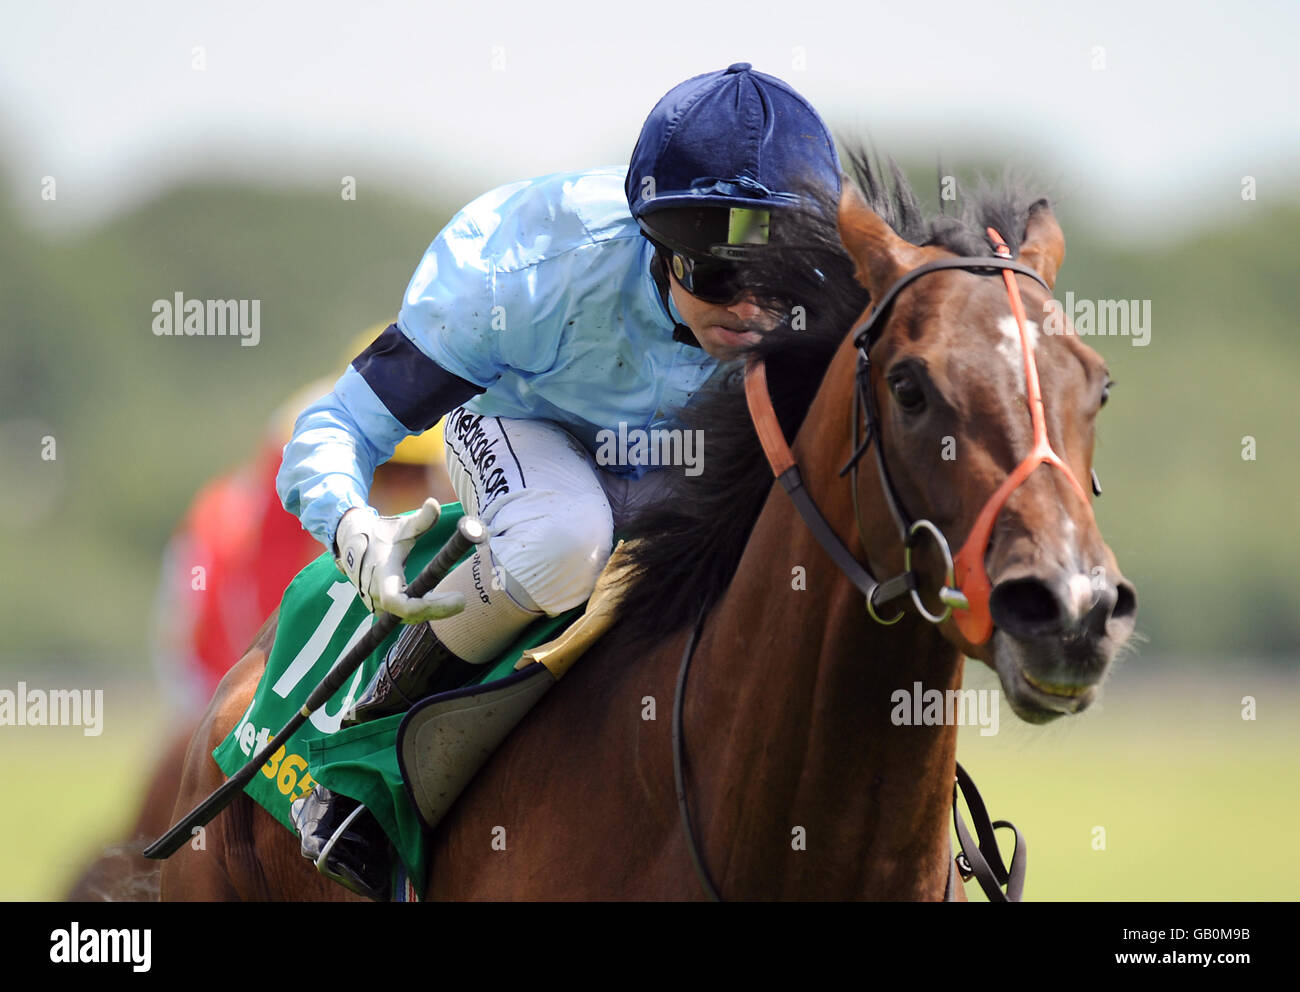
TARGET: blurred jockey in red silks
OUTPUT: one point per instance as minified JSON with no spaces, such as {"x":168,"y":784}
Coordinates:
{"x":228,"y":562}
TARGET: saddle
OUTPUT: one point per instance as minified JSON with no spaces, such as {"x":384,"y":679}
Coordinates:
{"x":445,"y":739}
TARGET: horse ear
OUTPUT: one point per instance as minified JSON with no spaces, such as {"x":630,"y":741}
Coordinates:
{"x":1043,"y":247}
{"x":879,"y":255}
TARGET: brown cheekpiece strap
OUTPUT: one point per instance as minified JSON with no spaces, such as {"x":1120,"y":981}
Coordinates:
{"x":768,"y":427}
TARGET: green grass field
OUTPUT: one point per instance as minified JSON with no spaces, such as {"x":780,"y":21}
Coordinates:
{"x":67,"y":795}
{"x":1196,"y":802}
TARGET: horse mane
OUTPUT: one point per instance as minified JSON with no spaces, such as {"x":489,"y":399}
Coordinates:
{"x":684,"y":551}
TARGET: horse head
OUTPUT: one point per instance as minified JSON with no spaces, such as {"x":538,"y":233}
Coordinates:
{"x":954,"y":399}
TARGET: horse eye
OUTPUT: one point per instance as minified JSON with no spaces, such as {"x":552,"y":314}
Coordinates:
{"x":1105,"y":392}
{"x":908,"y":392}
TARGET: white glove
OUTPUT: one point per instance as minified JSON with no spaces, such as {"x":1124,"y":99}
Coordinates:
{"x":372,"y":552}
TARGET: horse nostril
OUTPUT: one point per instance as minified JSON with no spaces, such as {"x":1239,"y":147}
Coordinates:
{"x":1126,"y":604}
{"x":1026,"y":608}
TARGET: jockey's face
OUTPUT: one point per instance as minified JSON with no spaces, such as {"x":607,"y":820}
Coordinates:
{"x":721,"y":329}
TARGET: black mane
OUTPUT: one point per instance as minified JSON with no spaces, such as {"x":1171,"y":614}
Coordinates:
{"x":688,"y":547}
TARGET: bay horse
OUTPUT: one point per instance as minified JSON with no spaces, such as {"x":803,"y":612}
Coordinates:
{"x":800,"y":784}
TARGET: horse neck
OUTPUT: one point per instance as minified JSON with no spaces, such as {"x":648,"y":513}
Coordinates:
{"x":790,"y":703}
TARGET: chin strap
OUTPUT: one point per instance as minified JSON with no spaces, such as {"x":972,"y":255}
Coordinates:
{"x":681,"y":333}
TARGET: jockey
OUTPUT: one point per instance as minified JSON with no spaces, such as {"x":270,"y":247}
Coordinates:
{"x":547,"y":314}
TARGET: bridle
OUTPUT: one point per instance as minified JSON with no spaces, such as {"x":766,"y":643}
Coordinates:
{"x":966,"y":588}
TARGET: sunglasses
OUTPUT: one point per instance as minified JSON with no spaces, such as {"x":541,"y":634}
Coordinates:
{"x":710,"y":280}
{"x":717,"y":276}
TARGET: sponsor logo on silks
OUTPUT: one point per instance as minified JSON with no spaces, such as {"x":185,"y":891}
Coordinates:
{"x":475,"y":445}
{"x":288,"y":771}
{"x":946,"y":707}
{"x":655,"y":447}
{"x":53,"y":708}
{"x":179,"y":317}
{"x":77,"y":946}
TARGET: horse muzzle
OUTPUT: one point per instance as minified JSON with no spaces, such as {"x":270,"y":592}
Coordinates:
{"x":1055,"y":638}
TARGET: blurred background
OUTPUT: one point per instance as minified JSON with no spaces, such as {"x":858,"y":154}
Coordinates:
{"x":209,"y":150}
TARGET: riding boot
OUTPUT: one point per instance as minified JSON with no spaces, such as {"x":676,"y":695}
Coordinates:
{"x":339,"y":835}
{"x":345,"y":842}
{"x":417,"y":665}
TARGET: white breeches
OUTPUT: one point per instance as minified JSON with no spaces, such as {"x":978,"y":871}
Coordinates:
{"x":551,"y":510}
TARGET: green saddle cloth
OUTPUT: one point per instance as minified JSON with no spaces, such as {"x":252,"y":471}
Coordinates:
{"x":321,"y":617}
